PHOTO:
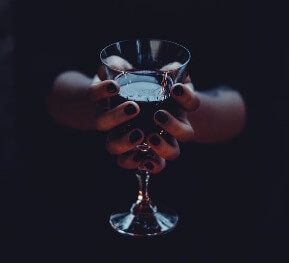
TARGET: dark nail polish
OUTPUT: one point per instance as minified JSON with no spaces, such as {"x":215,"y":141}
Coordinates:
{"x":178,"y":90}
{"x":149,"y":165}
{"x":134,"y":136}
{"x":161,"y":117}
{"x":111,"y":88}
{"x":155,"y":140}
{"x":130,"y":109}
{"x":138,"y":156}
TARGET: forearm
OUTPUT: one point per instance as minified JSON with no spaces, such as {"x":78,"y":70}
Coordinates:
{"x":67,"y":101}
{"x":221,"y":116}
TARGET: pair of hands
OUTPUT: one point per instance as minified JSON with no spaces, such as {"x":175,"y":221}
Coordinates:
{"x":77,"y":102}
{"x":124,"y":146}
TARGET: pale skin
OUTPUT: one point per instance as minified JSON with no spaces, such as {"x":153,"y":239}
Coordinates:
{"x":80,"y":102}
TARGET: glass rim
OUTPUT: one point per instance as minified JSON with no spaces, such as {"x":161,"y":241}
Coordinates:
{"x":149,"y":39}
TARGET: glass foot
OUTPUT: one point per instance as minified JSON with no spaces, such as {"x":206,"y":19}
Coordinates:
{"x":144,"y":224}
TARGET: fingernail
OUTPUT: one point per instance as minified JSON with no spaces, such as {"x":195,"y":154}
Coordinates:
{"x":111,"y":88}
{"x":138,"y":156}
{"x":149,"y":165}
{"x":178,"y":90}
{"x":155,"y":140}
{"x":161,"y":117}
{"x":134,"y":136}
{"x":130,"y":109}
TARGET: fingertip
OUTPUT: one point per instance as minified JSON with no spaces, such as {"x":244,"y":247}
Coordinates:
{"x":102,"y":90}
{"x":154,"y":140}
{"x":135,"y":104}
{"x":112,"y":88}
{"x":116,"y":84}
{"x":177,"y":90}
{"x":131,"y":108}
{"x":186,"y":97}
{"x":135,"y":136}
{"x":161,"y":117}
{"x":153,"y":166}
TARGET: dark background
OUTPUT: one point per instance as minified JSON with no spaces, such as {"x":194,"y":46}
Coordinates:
{"x":59,"y":186}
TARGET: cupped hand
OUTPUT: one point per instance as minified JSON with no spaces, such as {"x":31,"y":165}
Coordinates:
{"x":165,"y":145}
{"x":107,"y":118}
{"x":176,"y":127}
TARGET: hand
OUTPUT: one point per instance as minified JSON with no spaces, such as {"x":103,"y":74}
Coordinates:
{"x":105,"y":117}
{"x":78,"y":102}
{"x":179,"y":126}
{"x":165,"y":147}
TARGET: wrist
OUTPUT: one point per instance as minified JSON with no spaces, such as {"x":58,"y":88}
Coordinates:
{"x":221,"y":115}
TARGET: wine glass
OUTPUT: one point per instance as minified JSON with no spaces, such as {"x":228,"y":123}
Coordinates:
{"x":145,"y":72}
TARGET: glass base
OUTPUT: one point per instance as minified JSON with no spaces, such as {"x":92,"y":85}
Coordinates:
{"x":150,"y":223}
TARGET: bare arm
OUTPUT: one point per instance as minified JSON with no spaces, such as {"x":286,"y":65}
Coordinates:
{"x":68,"y":101}
{"x":220,"y":116}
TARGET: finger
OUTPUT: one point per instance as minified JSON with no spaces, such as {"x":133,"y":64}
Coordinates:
{"x":167,"y":150}
{"x":102,"y":90}
{"x":185,"y":96}
{"x":131,"y":159}
{"x":153,"y":164}
{"x":124,"y":143}
{"x":180,"y":128}
{"x":139,"y":159}
{"x":116,"y":116}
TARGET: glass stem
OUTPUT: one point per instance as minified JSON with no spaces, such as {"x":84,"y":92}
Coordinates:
{"x":143,"y":180}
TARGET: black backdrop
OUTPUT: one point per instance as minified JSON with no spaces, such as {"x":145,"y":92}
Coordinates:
{"x":231,"y":197}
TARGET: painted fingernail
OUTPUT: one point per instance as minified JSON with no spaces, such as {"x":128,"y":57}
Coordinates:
{"x":149,"y":165}
{"x":134,"y":136}
{"x":178,"y":90}
{"x":161,"y":117}
{"x":111,"y":88}
{"x":155,"y":140}
{"x":130,"y":109}
{"x":138,"y":156}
